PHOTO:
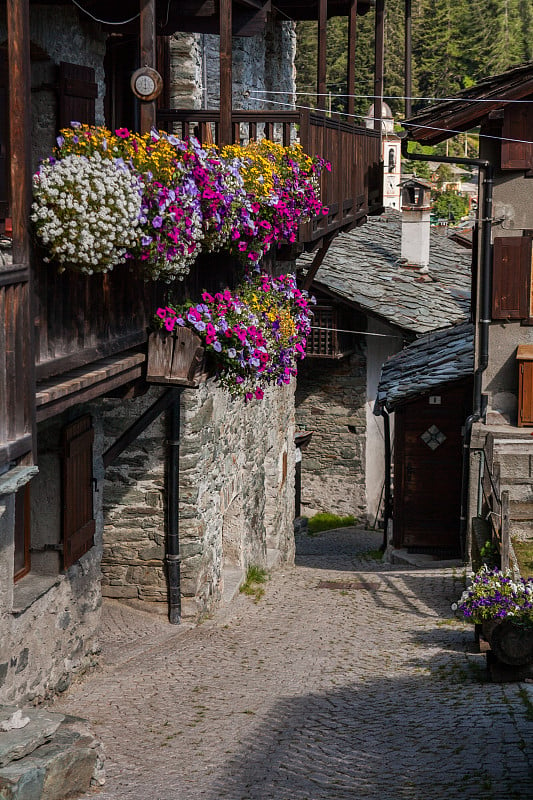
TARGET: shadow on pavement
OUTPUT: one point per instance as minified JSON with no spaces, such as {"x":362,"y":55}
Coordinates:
{"x":439,"y":734}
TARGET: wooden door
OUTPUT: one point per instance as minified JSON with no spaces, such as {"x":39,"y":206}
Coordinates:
{"x":427,"y":470}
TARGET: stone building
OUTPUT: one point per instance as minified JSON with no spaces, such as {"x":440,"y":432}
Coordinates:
{"x":498,"y":431}
{"x":387,"y":303}
{"x":85,"y":474}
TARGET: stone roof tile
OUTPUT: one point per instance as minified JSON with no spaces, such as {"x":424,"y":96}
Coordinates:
{"x":363,"y":267}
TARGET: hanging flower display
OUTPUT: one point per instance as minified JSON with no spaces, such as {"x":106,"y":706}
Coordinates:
{"x":86,"y":211}
{"x":245,"y":199}
{"x":255,"y":334}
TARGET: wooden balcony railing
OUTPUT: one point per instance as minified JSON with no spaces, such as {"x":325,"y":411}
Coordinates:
{"x":353,"y":188}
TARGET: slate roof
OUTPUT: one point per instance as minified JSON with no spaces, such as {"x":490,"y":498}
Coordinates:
{"x":363,"y":267}
{"x":429,"y":362}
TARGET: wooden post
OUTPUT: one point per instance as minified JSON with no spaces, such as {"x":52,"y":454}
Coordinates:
{"x":379,"y":64}
{"x":352,"y":37}
{"x":408,"y":59}
{"x":18,"y":35}
{"x":321,"y":59}
{"x":505,"y":532}
{"x":148,"y":59}
{"x":226,"y":73}
{"x":19,"y":125}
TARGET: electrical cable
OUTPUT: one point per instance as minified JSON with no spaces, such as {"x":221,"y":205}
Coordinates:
{"x":401,"y":97}
{"x":411,"y":124}
{"x":104,"y":21}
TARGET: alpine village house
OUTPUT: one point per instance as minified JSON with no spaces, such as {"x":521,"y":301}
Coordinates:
{"x":112,"y":482}
{"x":494,"y":498}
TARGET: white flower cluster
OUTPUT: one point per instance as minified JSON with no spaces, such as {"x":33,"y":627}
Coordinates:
{"x":86,"y":211}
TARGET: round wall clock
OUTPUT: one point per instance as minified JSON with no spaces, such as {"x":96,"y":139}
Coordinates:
{"x":146,"y":84}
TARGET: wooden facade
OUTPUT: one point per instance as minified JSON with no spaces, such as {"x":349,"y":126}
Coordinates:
{"x":66,"y":338}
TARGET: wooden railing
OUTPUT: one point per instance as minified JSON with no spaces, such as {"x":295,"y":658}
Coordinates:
{"x":495,"y":505}
{"x":353,"y":188}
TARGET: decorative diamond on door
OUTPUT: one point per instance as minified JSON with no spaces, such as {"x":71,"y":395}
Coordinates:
{"x":433,"y":437}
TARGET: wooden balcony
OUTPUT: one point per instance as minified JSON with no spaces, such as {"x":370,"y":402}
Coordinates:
{"x":353,"y":188}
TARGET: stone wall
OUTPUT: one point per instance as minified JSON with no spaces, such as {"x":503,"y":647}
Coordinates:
{"x":330,"y":401}
{"x":263,"y":63}
{"x":236,"y":495}
{"x":48,"y":619}
{"x":64,"y":35}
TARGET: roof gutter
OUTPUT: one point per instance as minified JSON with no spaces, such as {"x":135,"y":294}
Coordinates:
{"x":485,"y":309}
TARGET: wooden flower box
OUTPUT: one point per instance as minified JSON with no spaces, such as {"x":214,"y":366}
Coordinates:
{"x":176,"y":358}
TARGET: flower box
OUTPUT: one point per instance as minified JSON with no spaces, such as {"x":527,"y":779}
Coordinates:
{"x":176,"y":358}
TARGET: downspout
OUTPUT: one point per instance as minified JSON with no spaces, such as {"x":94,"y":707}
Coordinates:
{"x":172,"y":555}
{"x":387,"y":500}
{"x":485,"y":311}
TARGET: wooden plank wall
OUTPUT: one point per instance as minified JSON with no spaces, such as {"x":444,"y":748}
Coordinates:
{"x":82,"y":318}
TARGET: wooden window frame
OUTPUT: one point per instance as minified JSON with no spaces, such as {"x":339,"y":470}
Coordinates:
{"x":512,"y":278}
{"x":22,"y":530}
{"x":78,"y":521}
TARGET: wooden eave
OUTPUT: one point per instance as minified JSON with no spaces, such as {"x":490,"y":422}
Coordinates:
{"x":406,"y":333}
{"x":440,"y":121}
{"x":195,"y":16}
{"x":308,"y":9}
{"x":86,"y":383}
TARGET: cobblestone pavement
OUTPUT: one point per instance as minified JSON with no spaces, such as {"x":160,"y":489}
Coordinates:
{"x":314,"y":693}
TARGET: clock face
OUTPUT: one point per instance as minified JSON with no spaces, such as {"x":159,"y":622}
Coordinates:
{"x":145,"y":85}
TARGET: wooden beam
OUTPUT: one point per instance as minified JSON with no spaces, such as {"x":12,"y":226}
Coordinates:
{"x":317,"y":261}
{"x":379,"y":64}
{"x":163,"y":402}
{"x":352,"y":38}
{"x":18,"y":35}
{"x":148,"y":58}
{"x":226,"y":73}
{"x":408,"y":59}
{"x":19,"y":125}
{"x":322,"y":52}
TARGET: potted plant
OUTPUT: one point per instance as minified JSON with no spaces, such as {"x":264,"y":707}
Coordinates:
{"x":503,"y":608}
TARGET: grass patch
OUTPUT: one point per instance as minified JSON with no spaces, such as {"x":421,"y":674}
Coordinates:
{"x":524,"y":556}
{"x":373,"y":555}
{"x":252,"y":586}
{"x":326,"y":522}
{"x":524,"y":695}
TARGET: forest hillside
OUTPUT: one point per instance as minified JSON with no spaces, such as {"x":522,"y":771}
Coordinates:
{"x":455,"y":44}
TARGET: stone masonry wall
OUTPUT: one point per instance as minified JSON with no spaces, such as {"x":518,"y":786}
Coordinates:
{"x":263,"y":62}
{"x":49,"y":619}
{"x":236,"y":495}
{"x":330,"y":401}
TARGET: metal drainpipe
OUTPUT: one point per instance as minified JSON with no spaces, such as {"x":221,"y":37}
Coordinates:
{"x":172,"y":556}
{"x":485,"y":310}
{"x":387,"y":500}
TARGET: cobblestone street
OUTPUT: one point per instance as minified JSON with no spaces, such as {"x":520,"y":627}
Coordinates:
{"x":368,"y":689}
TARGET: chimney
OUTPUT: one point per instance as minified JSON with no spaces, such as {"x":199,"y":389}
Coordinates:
{"x":416,"y":209}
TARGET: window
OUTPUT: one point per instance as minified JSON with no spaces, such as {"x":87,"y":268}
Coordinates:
{"x":78,"y":517}
{"x":22,"y":532}
{"x":511,"y":278}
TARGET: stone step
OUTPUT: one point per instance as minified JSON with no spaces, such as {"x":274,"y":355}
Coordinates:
{"x":63,"y":767}
{"x":232,"y":580}
{"x":16,"y":742}
{"x":521,"y":511}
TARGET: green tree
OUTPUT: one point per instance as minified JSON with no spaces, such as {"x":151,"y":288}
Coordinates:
{"x":450,"y":205}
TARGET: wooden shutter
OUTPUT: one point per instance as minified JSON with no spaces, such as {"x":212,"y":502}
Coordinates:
{"x":22,"y":532}
{"x":77,"y":94}
{"x":511,"y":268}
{"x":4,"y":140}
{"x":78,"y":516}
{"x":518,"y":127}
